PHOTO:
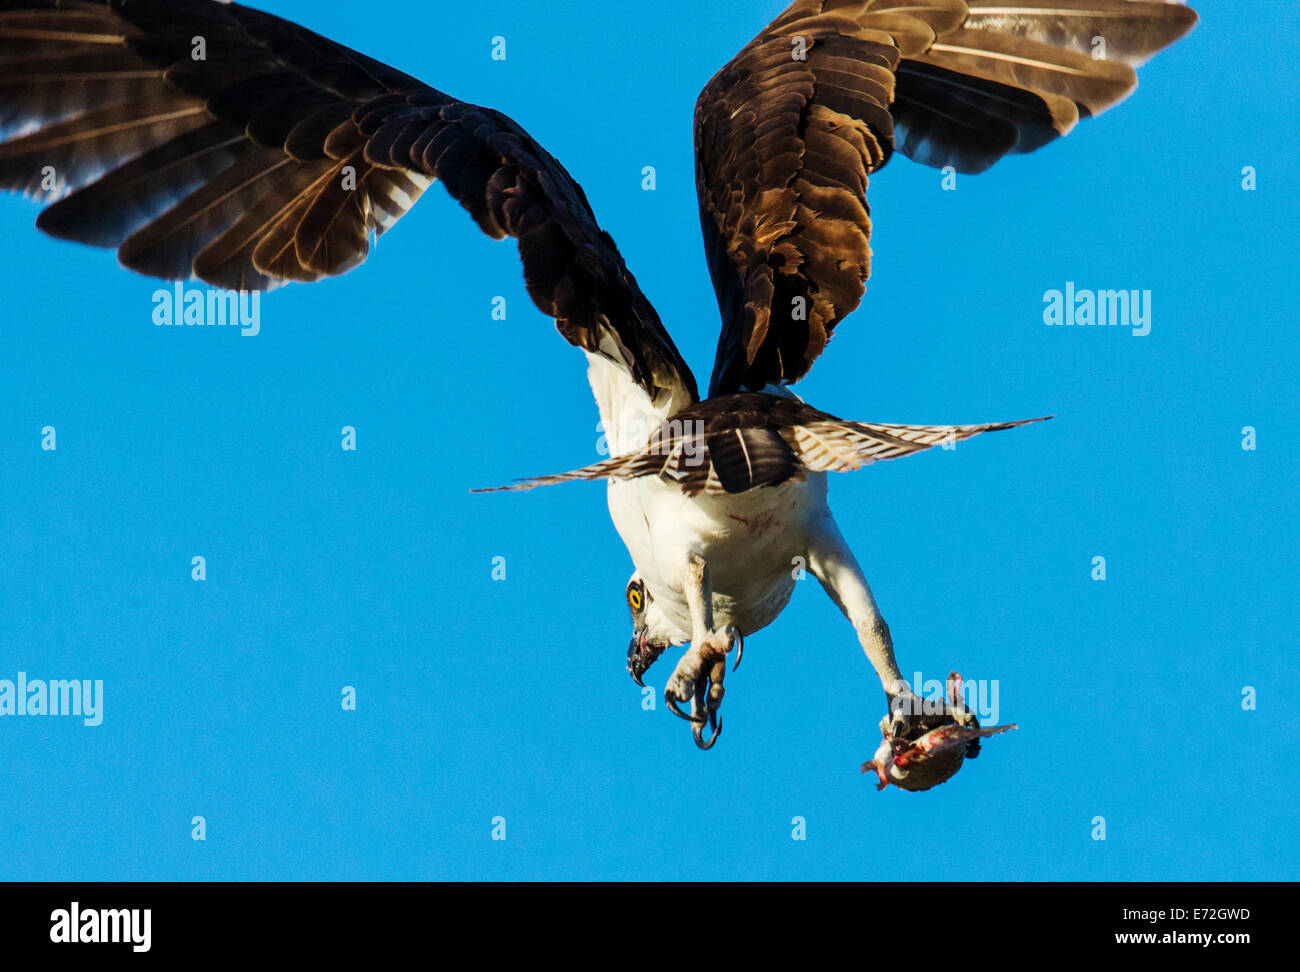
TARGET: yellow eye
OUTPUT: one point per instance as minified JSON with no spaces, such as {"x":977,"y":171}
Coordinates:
{"x":634,"y":598}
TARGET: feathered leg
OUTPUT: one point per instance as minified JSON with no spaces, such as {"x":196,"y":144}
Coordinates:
{"x":832,"y":562}
{"x":700,"y":672}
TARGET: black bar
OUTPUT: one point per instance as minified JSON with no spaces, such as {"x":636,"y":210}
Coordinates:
{"x":921,"y":921}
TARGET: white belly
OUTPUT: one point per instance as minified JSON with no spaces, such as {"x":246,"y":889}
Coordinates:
{"x":755,"y":544}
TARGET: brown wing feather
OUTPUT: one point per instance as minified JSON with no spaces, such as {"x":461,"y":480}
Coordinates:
{"x":279,"y":154}
{"x":787,"y":133}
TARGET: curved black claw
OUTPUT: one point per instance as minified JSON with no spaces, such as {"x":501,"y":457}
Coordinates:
{"x":902,"y":707}
{"x":698,"y":679}
{"x":697,"y":730}
{"x":740,"y":651}
{"x":672,"y":704}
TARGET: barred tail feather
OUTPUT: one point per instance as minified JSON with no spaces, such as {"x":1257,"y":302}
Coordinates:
{"x":740,"y":459}
{"x":846,"y":446}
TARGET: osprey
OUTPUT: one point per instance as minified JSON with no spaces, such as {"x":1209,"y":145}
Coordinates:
{"x":208,"y":140}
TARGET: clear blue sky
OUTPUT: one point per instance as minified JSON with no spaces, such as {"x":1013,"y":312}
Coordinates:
{"x":481,"y":698}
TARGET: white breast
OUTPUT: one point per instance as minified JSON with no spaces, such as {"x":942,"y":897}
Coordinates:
{"x":755,"y":544}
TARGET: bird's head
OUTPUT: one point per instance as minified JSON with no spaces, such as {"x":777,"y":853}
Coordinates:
{"x":650,"y":631}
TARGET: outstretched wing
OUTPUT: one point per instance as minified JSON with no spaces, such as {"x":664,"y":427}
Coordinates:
{"x":787,"y":133}
{"x":209,"y":140}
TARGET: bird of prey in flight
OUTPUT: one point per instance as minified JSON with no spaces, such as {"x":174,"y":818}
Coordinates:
{"x":209,"y":140}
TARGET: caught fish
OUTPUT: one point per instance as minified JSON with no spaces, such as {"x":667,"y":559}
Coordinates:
{"x":934,"y":748}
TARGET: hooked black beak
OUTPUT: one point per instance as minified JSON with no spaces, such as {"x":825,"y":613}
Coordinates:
{"x":641,"y":655}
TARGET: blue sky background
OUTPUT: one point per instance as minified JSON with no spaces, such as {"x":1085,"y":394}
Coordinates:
{"x":480,"y":698}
